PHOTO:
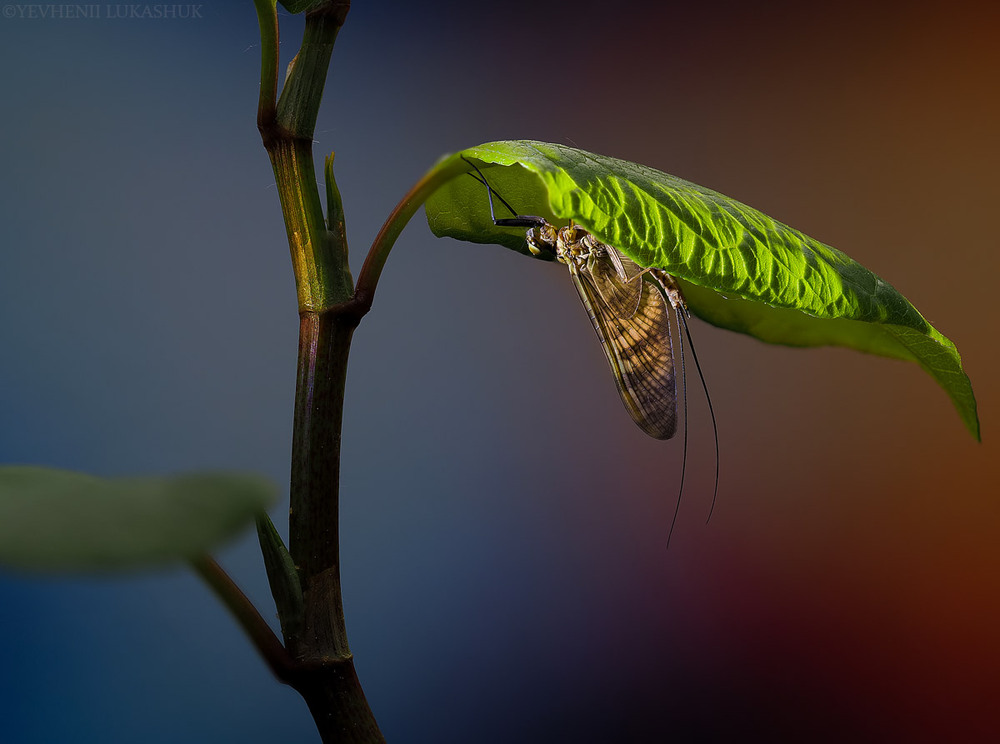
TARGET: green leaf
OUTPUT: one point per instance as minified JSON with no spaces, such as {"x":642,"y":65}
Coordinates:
{"x":57,"y":520}
{"x":739,"y":268}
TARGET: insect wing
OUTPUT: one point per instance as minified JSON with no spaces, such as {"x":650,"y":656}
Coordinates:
{"x":633,"y":322}
{"x":617,"y":281}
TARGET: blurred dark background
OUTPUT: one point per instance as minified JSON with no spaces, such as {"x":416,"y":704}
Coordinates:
{"x":504,"y":522}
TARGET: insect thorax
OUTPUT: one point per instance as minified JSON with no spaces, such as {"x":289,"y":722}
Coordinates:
{"x":571,"y":245}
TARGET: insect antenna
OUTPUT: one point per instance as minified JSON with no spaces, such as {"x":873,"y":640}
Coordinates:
{"x":518,"y":220}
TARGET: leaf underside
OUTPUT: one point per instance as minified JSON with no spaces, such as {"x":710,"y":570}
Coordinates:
{"x":58,"y":520}
{"x":739,"y":268}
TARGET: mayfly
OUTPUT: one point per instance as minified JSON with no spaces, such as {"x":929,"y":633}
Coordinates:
{"x":630,"y":310}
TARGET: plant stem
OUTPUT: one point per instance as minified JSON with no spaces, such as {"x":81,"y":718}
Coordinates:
{"x":314,"y":540}
{"x":323,"y":669}
{"x":322,"y":278}
{"x":330,"y":684}
{"x":341,"y":715}
{"x":267,"y":19}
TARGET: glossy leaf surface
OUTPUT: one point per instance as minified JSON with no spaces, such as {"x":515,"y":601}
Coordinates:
{"x":739,"y":269}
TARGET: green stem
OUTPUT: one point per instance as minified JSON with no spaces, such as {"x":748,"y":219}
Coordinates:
{"x":322,"y":280}
{"x":342,"y":716}
{"x":319,"y":256}
{"x":267,"y":19}
{"x":364,"y":293}
{"x":314,"y":539}
{"x":332,"y":689}
{"x":302,"y":93}
{"x":323,"y":669}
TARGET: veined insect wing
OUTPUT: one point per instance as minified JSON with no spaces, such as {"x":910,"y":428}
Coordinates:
{"x":618,"y":280}
{"x":632,"y":320}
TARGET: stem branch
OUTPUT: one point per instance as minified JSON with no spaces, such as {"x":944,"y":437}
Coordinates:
{"x":246,"y":615}
{"x":364,"y":293}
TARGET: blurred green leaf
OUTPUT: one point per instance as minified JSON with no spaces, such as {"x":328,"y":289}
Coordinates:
{"x":57,"y":520}
{"x":739,"y":268}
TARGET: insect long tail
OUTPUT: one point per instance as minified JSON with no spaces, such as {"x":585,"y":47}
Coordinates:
{"x":711,"y":410}
{"x":684,"y":455}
